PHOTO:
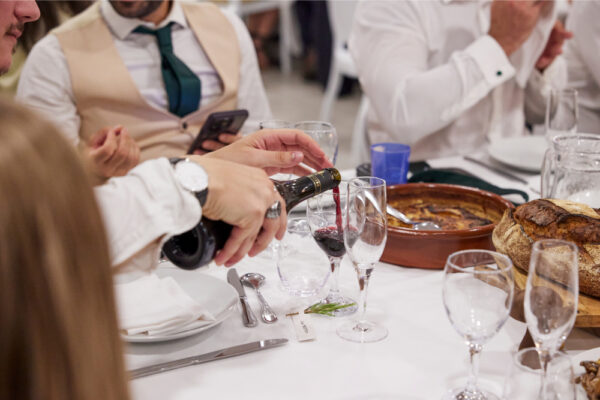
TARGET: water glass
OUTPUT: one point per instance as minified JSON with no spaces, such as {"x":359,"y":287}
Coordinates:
{"x":478,"y":292}
{"x":389,"y":161}
{"x":275,"y":124}
{"x":562,"y":113}
{"x":551,"y":296}
{"x":324,"y":134}
{"x":302,"y":267}
{"x":571,"y":169}
{"x":524,"y":377}
{"x":365,"y":235}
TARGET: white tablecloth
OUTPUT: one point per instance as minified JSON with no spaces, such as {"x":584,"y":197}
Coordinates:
{"x":422,"y":357}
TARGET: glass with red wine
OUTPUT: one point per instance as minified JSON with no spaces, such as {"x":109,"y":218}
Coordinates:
{"x":324,"y":214}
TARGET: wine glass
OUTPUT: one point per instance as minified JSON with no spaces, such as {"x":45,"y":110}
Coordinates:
{"x":324,"y":134}
{"x":365,"y":234}
{"x":478,"y":293}
{"x":324,"y":216}
{"x":525,"y":373}
{"x":562,"y":113}
{"x":277,"y":124}
{"x":300,"y":262}
{"x":551,"y":296}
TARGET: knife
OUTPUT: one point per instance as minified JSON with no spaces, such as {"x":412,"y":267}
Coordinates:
{"x":202,"y":358}
{"x":499,"y":171}
{"x":247,"y":315}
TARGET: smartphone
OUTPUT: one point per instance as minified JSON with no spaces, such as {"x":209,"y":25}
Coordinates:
{"x":217,"y":123}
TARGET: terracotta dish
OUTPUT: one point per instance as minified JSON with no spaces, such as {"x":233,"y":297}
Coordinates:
{"x":467,"y":217}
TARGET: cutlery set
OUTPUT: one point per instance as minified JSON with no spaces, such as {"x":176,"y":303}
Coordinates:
{"x":255,"y":281}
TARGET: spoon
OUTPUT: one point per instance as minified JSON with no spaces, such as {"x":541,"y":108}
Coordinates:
{"x":256,"y":280}
{"x":418,"y":226}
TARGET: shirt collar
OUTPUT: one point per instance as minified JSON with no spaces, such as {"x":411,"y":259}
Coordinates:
{"x":121,"y":27}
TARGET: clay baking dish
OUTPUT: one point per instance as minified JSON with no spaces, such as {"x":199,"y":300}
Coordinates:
{"x":429,"y":249}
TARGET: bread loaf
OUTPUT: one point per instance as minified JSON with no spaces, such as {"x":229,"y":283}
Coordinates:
{"x":553,"y":219}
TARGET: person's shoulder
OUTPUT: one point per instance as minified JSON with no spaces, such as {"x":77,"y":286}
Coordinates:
{"x":85,"y":18}
{"x":46,"y":47}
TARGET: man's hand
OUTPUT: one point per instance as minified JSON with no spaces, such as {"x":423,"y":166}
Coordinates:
{"x":240,"y":195}
{"x":212,"y":145}
{"x":554,"y":46}
{"x":512,"y":21}
{"x":112,"y":152}
{"x":276,"y":150}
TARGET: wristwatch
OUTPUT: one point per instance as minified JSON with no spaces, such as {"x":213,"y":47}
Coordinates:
{"x":192,"y":177}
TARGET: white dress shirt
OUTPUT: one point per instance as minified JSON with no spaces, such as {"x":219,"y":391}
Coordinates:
{"x":583,"y":61}
{"x":45,"y":83}
{"x":438,"y":82}
{"x":142,"y":210}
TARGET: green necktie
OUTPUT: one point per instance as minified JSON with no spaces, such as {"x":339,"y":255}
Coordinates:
{"x":183,"y":86}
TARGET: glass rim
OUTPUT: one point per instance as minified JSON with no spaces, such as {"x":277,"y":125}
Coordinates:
{"x":560,"y":142}
{"x":564,"y":90}
{"x":327,"y":125}
{"x":515,"y":359}
{"x":395,"y":148}
{"x":501,"y":268}
{"x":351,"y":183}
{"x":555,"y":242}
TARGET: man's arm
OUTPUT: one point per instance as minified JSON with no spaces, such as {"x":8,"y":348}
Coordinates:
{"x":45,"y":86}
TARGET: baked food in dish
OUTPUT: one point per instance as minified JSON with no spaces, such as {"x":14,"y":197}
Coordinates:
{"x":553,"y":219}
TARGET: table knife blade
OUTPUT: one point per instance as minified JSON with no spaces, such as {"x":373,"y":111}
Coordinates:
{"x":202,"y":358}
{"x":248,"y":316}
{"x":497,"y":170}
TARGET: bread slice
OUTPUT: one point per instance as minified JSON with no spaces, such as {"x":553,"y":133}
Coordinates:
{"x":553,"y":219}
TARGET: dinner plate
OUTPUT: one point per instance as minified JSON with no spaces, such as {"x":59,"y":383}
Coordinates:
{"x":216,"y":296}
{"x":525,"y":153}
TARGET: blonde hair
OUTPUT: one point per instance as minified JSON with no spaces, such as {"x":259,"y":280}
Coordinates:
{"x":58,"y":327}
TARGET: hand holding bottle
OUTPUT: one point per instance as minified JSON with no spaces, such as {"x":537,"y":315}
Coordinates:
{"x":276,"y":151}
{"x":240,"y":195}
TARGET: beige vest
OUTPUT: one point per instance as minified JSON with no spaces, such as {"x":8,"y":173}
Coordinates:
{"x":106,"y":95}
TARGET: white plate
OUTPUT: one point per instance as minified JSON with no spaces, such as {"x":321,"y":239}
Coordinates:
{"x":525,"y":153}
{"x":216,"y":296}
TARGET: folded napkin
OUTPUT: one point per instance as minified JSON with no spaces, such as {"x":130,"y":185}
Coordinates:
{"x":158,"y":306}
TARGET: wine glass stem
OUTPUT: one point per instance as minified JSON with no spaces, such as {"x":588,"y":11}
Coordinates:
{"x":474,"y":351}
{"x":544,"y":360}
{"x":364,"y":275}
{"x":335,"y":273}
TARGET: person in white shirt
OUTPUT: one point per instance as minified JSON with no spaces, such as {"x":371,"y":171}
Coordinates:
{"x":446,"y":77}
{"x":583,"y":62}
{"x":100,"y":80}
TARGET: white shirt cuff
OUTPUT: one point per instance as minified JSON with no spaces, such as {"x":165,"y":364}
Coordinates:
{"x":491,"y":59}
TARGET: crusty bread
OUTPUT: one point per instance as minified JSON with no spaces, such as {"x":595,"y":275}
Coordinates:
{"x":557,"y":219}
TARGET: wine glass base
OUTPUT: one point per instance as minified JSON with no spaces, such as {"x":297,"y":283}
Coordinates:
{"x":463,"y":394}
{"x":362,"y":331}
{"x":342,"y":300}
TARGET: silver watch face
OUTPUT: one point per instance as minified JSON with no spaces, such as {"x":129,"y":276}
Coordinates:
{"x":191,"y":176}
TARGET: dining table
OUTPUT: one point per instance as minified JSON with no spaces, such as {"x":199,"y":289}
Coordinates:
{"x":422,"y":357}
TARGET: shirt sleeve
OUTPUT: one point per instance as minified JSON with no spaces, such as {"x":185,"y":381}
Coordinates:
{"x":45,"y":86}
{"x":251,"y":91}
{"x":142,"y":210}
{"x":411,"y":98}
{"x":583,"y":22}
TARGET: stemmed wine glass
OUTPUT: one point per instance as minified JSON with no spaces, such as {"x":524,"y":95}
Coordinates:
{"x":324,"y":134}
{"x":478,"y":293}
{"x":365,"y":234}
{"x":562,"y":113}
{"x":324,"y":216}
{"x":551,"y":297}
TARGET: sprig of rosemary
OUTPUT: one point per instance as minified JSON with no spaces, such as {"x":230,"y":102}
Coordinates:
{"x":324,"y":308}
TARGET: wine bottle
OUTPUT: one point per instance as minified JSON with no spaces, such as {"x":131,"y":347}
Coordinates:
{"x":197,"y":247}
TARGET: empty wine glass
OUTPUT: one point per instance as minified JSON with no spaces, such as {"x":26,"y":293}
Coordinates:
{"x":551,"y":297}
{"x":365,"y":234}
{"x":301,"y":265}
{"x":562,"y":113}
{"x":524,"y":376}
{"x":324,"y":216}
{"x":478,"y":293}
{"x":324,"y":134}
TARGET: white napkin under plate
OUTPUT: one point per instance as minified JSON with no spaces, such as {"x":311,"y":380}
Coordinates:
{"x":158,"y":306}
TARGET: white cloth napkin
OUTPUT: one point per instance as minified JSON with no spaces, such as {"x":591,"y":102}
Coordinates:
{"x":158,"y":306}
